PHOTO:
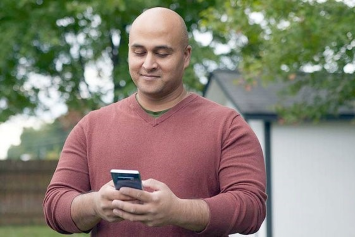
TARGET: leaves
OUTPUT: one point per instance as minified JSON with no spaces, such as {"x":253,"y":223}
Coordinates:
{"x":310,"y":39}
{"x":47,"y":141}
{"x":51,"y":44}
{"x":275,"y":40}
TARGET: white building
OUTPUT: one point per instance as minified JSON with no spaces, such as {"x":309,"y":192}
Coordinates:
{"x":310,"y":166}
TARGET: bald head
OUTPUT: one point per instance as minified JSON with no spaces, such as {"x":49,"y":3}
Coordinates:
{"x":162,"y":19}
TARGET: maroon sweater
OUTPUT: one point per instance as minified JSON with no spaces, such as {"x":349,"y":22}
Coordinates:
{"x":200,"y":149}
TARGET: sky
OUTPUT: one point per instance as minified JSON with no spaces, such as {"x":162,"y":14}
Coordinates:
{"x":10,"y":132}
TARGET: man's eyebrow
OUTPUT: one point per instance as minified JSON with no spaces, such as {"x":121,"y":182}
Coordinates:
{"x":159,"y":47}
{"x":137,"y":46}
{"x":164,"y":47}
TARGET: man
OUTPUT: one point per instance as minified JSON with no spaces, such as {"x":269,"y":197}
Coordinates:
{"x":202,"y":165}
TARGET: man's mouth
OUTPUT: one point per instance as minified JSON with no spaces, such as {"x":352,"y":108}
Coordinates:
{"x":149,"y":76}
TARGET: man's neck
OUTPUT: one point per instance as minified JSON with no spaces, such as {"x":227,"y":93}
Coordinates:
{"x":160,"y":104}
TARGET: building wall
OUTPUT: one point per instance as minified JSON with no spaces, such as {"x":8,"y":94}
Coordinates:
{"x":313,"y":174}
{"x":258,"y":127}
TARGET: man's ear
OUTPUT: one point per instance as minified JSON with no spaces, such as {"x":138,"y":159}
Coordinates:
{"x":187,"y":55}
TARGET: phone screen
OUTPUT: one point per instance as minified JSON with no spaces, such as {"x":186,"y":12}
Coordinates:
{"x":126,"y":178}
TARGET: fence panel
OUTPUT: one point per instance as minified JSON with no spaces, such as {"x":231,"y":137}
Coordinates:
{"x":22,"y":188}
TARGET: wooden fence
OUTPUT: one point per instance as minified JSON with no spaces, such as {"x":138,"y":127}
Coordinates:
{"x":22,"y":188}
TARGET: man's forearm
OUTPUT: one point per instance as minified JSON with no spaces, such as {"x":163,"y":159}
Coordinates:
{"x":83,"y":213}
{"x":193,"y":214}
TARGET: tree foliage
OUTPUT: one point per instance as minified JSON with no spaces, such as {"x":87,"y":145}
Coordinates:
{"x":48,"y":46}
{"x":45,"y":142}
{"x":306,"y":44}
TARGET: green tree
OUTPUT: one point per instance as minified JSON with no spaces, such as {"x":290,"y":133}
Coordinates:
{"x":308,"y":45}
{"x":48,"y":46}
{"x":45,"y":142}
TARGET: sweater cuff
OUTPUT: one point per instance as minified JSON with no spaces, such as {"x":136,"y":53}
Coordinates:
{"x":217,"y":225}
{"x":63,"y":216}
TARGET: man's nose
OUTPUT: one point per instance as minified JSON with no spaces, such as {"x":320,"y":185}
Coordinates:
{"x":149,"y":62}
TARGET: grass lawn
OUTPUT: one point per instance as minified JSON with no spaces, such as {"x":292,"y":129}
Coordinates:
{"x":32,"y":231}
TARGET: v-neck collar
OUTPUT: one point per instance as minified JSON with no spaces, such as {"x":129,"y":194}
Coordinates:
{"x":135,"y":106}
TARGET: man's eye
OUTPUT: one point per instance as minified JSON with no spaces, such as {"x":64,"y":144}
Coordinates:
{"x":162,"y":55}
{"x":139,"y":53}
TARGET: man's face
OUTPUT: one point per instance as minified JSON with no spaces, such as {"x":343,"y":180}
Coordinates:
{"x":157,"y":59}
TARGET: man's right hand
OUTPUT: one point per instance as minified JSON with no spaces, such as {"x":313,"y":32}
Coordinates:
{"x":88,"y":209}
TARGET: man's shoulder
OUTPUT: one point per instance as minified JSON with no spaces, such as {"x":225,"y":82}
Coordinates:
{"x":110,"y":109}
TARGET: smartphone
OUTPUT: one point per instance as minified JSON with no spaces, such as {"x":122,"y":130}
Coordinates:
{"x":126,"y":178}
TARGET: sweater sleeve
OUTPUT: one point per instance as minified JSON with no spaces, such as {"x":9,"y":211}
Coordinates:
{"x":70,"y":179}
{"x":240,"y":206}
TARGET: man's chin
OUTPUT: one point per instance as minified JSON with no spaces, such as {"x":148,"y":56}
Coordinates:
{"x":151,"y":92}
